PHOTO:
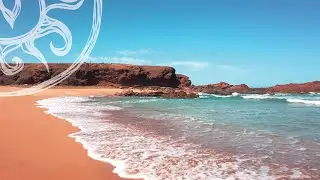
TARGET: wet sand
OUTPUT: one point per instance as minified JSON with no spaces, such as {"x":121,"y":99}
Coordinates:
{"x":35,"y":145}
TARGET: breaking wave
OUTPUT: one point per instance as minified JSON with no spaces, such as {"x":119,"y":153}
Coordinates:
{"x":303,"y":101}
{"x":156,"y":138}
{"x":308,"y":99}
{"x":140,"y":154}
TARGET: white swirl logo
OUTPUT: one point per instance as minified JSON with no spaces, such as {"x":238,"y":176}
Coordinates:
{"x":45,"y":26}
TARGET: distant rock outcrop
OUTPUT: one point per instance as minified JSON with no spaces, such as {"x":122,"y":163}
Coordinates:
{"x":162,"y":92}
{"x":242,"y":88}
{"x":297,"y":88}
{"x":184,"y":81}
{"x":223,"y":88}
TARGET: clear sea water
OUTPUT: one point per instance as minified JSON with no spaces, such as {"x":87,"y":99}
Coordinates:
{"x":212,"y":137}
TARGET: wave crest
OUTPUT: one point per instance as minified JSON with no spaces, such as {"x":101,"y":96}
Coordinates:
{"x":284,"y":98}
{"x":302,"y":101}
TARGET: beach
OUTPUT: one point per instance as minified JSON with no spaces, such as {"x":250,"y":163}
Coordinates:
{"x":35,"y":145}
{"x":211,"y":137}
{"x":87,"y":133}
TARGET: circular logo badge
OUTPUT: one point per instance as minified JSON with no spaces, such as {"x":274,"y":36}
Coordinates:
{"x":46,"y":25}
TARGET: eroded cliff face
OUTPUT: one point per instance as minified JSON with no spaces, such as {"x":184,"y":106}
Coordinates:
{"x":184,"y":81}
{"x":124,"y":75}
{"x":99,"y":74}
{"x":297,"y":88}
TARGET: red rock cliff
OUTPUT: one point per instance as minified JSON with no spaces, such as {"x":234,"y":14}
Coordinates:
{"x":227,"y":89}
{"x":99,"y":74}
{"x":297,"y":88}
{"x":223,"y":88}
{"x":184,"y":80}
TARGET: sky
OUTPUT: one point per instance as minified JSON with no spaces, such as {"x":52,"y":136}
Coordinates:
{"x":259,"y":43}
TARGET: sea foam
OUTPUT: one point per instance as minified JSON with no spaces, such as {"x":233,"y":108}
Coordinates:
{"x":141,"y":154}
{"x":302,"y":101}
{"x":257,"y":96}
{"x":206,"y":95}
{"x":287,"y":97}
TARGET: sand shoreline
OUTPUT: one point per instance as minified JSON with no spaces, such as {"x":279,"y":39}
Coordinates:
{"x":36,"y":145}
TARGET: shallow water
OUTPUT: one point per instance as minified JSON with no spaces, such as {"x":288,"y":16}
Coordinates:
{"x":213,"y":137}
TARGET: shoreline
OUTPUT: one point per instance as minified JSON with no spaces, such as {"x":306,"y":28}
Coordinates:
{"x":31,"y":140}
{"x":121,"y":141}
{"x":36,"y":144}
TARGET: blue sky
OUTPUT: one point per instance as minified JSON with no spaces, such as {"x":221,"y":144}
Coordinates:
{"x":259,"y":43}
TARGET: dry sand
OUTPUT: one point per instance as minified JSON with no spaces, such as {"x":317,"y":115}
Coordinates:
{"x":36,"y":146}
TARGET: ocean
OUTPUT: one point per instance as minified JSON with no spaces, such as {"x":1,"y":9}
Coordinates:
{"x":211,"y":137}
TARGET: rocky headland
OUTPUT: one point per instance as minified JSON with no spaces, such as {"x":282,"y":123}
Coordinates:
{"x":97,"y":75}
{"x":298,"y":88}
{"x":158,"y":81}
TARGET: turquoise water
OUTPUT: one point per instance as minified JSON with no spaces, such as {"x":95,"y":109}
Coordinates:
{"x":212,"y":137}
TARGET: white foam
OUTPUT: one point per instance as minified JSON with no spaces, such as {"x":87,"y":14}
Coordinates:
{"x":99,"y":95}
{"x":137,"y":154}
{"x":258,"y":96}
{"x":147,"y":100}
{"x":221,"y":96}
{"x":297,"y":174}
{"x":286,"y":97}
{"x":302,"y":101}
{"x":205,"y":95}
{"x":293,"y":140}
{"x":235,"y":94}
{"x":139,"y":100}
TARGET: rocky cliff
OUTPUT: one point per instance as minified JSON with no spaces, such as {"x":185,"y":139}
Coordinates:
{"x":184,"y":81}
{"x":297,"y":88}
{"x":223,"y":88}
{"x":160,"y":92}
{"x":100,"y":74}
{"x":123,"y":75}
